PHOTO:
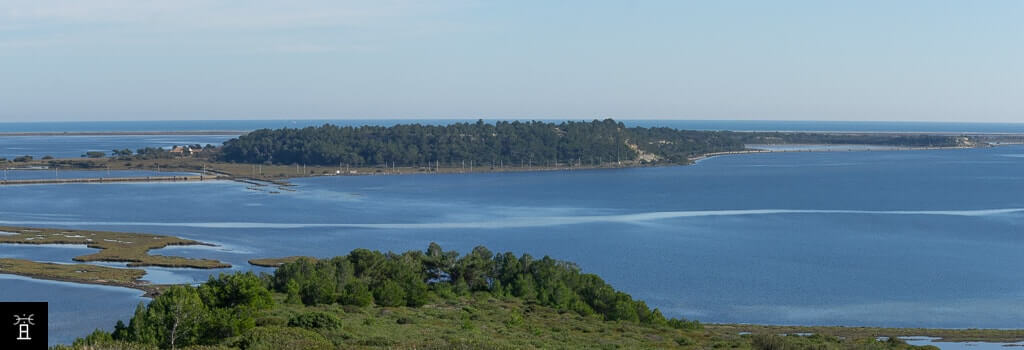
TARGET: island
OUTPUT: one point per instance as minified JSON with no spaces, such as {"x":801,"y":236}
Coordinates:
{"x":275,"y":155}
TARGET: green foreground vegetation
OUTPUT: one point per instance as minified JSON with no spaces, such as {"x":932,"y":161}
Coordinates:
{"x":431,"y":299}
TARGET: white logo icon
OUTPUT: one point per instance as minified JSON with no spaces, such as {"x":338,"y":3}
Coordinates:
{"x":23,"y":322}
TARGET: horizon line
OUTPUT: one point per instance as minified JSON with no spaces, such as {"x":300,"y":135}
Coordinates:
{"x":511,"y":119}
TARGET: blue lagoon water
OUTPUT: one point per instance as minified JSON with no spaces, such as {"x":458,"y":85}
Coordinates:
{"x":880,"y":238}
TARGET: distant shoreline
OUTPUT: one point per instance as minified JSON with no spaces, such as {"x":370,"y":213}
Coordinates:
{"x":279,"y":175}
{"x":243,"y":132}
{"x":884,"y":149}
{"x":124,"y":133}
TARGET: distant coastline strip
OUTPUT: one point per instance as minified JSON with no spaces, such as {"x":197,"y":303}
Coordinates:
{"x":518,"y":222}
{"x":126,"y":133}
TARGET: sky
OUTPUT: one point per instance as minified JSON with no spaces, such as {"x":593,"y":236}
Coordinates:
{"x":913,"y":60}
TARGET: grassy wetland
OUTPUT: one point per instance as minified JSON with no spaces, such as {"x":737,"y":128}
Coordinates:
{"x":114,"y":247}
{"x":78,"y":273}
{"x":275,"y":262}
{"x":132,"y":248}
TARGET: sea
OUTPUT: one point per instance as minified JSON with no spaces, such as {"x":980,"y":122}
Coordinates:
{"x":852,"y":237}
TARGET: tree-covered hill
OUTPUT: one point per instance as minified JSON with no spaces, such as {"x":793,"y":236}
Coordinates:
{"x":520,"y":144}
{"x":509,"y":143}
{"x":429,"y":299}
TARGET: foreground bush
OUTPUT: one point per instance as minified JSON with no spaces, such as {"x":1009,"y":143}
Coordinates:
{"x":274,"y":338}
{"x":315,"y":320}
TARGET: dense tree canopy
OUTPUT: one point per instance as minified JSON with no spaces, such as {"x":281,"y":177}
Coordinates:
{"x":183,"y":315}
{"x":509,"y":143}
{"x":518,"y":144}
{"x":411,"y":278}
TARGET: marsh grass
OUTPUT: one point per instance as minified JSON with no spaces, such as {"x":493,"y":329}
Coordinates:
{"x":81,"y":273}
{"x":274,"y":262}
{"x":132,"y":248}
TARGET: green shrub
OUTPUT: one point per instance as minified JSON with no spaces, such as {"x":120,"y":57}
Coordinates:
{"x":768,"y":342}
{"x":111,"y":345}
{"x":274,"y":338}
{"x":514,"y":319}
{"x":679,"y":323}
{"x":267,"y":321}
{"x":389,"y":294}
{"x":97,"y":337}
{"x":209,"y":347}
{"x":377,"y":341}
{"x":315,"y":320}
{"x":356,"y":293}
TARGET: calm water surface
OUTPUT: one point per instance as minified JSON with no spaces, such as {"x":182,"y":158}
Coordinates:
{"x":880,"y":238}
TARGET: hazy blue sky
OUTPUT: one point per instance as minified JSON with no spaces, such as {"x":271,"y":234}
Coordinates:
{"x":716,"y":59}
